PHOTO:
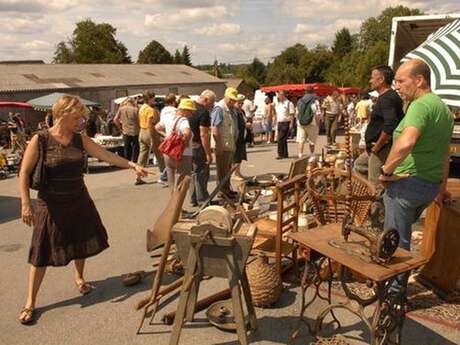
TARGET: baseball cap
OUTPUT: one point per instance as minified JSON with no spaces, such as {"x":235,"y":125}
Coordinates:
{"x":187,"y":104}
{"x":231,"y":93}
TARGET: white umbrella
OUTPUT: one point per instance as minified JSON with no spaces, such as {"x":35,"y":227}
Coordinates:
{"x":441,"y":51}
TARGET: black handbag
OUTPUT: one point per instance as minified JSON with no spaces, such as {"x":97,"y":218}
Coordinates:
{"x":37,"y":178}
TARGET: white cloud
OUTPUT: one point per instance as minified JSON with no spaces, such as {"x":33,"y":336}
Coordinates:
{"x":179,"y":20}
{"x":232,"y":47}
{"x":37,"y":45}
{"x":24,"y":24}
{"x":322,"y":11}
{"x":28,"y":6}
{"x":302,"y":28}
{"x":219,"y":29}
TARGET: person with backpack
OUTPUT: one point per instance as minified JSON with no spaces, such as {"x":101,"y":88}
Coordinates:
{"x":308,"y":117}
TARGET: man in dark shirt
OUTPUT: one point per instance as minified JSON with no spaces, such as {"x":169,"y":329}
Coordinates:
{"x":200,"y":122}
{"x":385,"y":117}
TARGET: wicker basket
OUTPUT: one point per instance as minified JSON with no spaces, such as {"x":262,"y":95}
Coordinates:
{"x":264,"y":282}
{"x":327,"y":189}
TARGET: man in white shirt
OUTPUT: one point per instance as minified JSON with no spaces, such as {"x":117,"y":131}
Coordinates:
{"x":249,"y":111}
{"x":285,"y":112}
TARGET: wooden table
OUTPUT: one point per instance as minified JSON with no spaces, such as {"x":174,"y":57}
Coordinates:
{"x":387,"y":319}
{"x":441,"y":243}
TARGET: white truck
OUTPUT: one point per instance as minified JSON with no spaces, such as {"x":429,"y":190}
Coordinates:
{"x":407,"y":33}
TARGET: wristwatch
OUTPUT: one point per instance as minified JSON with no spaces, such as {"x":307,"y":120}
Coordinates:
{"x":384,"y":173}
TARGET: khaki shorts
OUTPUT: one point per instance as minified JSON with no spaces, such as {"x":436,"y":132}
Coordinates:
{"x":307,"y":133}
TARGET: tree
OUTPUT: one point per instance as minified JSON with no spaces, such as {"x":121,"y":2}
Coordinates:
{"x":186,"y":57}
{"x":286,"y":66}
{"x":92,"y":43}
{"x":63,"y":53}
{"x":253,"y":74}
{"x":343,"y":43}
{"x":216,"y":70}
{"x":314,"y":64}
{"x":178,"y":57}
{"x":154,"y":53}
{"x":257,"y":70}
{"x":378,"y":29}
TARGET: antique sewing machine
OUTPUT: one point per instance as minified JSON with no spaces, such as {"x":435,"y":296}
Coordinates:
{"x":358,"y":204}
{"x":381,"y":244}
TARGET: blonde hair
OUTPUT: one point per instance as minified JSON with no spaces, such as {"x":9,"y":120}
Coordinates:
{"x":68,"y":105}
{"x":209,"y":94}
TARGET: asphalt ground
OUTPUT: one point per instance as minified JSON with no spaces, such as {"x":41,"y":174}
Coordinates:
{"x":107,"y":315}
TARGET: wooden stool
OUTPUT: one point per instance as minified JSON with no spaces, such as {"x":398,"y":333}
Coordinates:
{"x":210,"y":250}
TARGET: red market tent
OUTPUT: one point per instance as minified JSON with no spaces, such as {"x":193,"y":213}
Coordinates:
{"x":9,"y":104}
{"x":299,"y":89}
{"x":349,"y":90}
{"x":30,"y":116}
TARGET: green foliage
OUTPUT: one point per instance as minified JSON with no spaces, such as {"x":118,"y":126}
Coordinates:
{"x":315,"y":63}
{"x":63,"y":54}
{"x":297,"y":64}
{"x":347,"y":63}
{"x":378,"y":29}
{"x":286,"y":66}
{"x":343,"y":43}
{"x":92,"y":43}
{"x":186,"y":57}
{"x":253,"y":74}
{"x":257,"y":70}
{"x":154,"y":53}
{"x":177,"y":57}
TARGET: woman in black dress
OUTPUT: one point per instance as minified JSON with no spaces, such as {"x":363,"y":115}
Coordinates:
{"x":66,"y":224}
{"x":240,"y":143}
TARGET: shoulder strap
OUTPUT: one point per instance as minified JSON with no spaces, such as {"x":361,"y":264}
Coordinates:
{"x":176,"y":122}
{"x":78,"y":141}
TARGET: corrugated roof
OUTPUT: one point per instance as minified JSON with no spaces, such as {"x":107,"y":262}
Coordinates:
{"x":26,"y":77}
{"x":234,"y":82}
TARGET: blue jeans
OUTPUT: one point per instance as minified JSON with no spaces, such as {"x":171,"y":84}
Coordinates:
{"x":404,"y":202}
{"x":200,"y":176}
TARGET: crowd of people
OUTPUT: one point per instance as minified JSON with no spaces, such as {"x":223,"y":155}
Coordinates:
{"x":406,"y":132}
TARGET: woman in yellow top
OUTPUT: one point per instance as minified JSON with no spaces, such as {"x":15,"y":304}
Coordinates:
{"x":148,"y":137}
{"x":362,"y":109}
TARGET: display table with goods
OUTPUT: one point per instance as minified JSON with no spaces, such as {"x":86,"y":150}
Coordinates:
{"x":110,"y":143}
{"x":387,"y":318}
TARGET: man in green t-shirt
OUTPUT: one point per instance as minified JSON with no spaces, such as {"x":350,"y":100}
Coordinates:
{"x":416,"y":169}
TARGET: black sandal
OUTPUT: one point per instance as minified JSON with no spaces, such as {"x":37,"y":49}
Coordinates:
{"x":29,"y":316}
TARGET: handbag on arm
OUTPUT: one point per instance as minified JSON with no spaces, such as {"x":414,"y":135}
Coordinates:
{"x":37,"y":178}
{"x":173,"y":146}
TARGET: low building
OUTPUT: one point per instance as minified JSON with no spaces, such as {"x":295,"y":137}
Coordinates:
{"x":101,"y":82}
{"x":240,"y":85}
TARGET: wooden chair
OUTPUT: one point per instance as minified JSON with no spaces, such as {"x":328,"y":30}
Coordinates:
{"x":298,"y":167}
{"x":270,"y":233}
{"x":327,"y":189}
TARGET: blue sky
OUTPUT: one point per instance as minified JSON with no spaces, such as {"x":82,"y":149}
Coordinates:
{"x":231,"y":31}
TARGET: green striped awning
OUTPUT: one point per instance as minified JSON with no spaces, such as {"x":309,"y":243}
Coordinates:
{"x":45,"y":103}
{"x":441,"y":51}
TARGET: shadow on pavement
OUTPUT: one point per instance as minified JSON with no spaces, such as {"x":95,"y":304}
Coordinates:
{"x":279,"y":330}
{"x":112,"y":290}
{"x":10,"y":208}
